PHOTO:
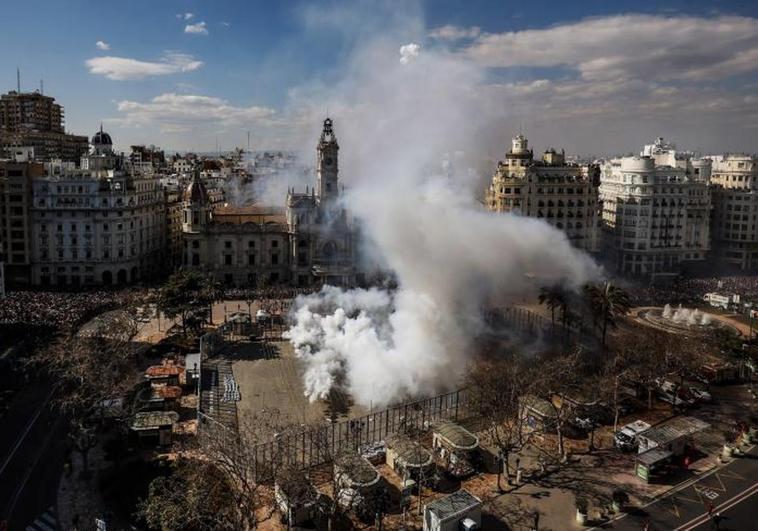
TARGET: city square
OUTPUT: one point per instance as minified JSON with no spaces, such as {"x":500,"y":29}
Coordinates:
{"x":389,"y":265}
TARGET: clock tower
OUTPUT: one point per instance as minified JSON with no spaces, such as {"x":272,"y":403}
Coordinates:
{"x":326,"y":164}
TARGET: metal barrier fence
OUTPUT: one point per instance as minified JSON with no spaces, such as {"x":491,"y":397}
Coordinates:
{"x":528,"y":322}
{"x":318,"y":445}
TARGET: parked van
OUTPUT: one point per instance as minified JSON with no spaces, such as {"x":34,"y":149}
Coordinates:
{"x":626,"y":438}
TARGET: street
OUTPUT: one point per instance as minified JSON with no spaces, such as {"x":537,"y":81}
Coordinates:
{"x":33,"y":448}
{"x":730,"y":489}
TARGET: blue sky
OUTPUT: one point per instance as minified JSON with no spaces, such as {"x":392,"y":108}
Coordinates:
{"x":242,"y":62}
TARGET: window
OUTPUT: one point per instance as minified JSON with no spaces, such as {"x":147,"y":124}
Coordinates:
{"x":251,"y":259}
{"x":275,"y":243}
{"x":195,"y":259}
{"x":228,"y":245}
{"x":228,"y":259}
{"x":274,"y":258}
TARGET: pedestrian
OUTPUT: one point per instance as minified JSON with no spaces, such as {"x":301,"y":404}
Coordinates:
{"x":646,"y":526}
{"x":711,"y":508}
{"x":716,"y":521}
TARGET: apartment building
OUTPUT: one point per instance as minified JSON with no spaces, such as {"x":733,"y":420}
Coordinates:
{"x":656,"y":211}
{"x":563,"y":194}
{"x":734,"y":181}
{"x":32,"y":119}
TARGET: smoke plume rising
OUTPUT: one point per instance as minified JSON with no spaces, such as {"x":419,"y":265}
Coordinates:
{"x":409,"y":132}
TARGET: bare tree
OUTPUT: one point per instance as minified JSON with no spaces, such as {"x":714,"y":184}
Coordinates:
{"x":248,"y":462}
{"x":93,"y":368}
{"x":558,"y":376}
{"x":496,"y":388}
{"x":195,"y":496}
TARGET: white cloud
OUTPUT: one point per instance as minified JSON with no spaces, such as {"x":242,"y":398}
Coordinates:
{"x":172,"y":112}
{"x":455,"y":33}
{"x":102,"y":45}
{"x":409,"y":52}
{"x":185,"y":16}
{"x":631,"y":46}
{"x":199,"y":28}
{"x":126,"y":68}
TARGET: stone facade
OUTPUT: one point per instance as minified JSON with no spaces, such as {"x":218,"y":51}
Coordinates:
{"x":309,"y":241}
{"x":561,"y":193}
{"x":734,"y":186}
{"x":15,"y":217}
{"x":97,"y":224}
{"x":656,"y":211}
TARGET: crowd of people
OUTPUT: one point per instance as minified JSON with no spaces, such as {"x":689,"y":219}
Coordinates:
{"x":272,"y":292}
{"x":692,"y":290}
{"x":55,"y":309}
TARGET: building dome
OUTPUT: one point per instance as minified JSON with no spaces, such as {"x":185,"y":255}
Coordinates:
{"x":196,"y":193}
{"x":102,"y":138}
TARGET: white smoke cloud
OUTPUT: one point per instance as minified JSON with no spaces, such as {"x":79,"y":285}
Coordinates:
{"x":397,"y":125}
{"x":409,"y":52}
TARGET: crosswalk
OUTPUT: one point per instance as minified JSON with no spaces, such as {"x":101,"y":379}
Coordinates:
{"x":47,"y":521}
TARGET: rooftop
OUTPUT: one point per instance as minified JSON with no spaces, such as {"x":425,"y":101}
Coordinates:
{"x":249,"y":214}
{"x":163,"y":371}
{"x":150,"y":420}
{"x":356,"y":468}
{"x":294,"y":485}
{"x":457,"y":436}
{"x":459,"y":502}
{"x":409,"y":452}
{"x":674,"y":429}
{"x":538,"y":405}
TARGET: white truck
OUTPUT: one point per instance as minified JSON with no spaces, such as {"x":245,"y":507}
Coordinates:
{"x":625,"y":439}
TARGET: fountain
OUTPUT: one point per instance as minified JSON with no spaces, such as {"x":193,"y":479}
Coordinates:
{"x":682,"y":320}
{"x":686,"y":316}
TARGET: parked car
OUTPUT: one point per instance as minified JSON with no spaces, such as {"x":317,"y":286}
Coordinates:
{"x":699,"y":394}
{"x":664,"y":385}
{"x":665,"y":396}
{"x":584,"y":422}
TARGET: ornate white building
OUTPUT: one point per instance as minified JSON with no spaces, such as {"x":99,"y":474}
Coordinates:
{"x":309,"y":241}
{"x":96,"y":224}
{"x":734,"y":181}
{"x":656,"y":210}
{"x":563,"y":194}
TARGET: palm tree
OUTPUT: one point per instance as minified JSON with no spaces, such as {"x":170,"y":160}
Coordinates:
{"x":607,"y":302}
{"x":553,"y":298}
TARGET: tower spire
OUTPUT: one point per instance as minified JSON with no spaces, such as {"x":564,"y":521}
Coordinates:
{"x":18,"y":80}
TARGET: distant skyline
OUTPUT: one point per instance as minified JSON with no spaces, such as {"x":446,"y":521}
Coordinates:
{"x":592,"y":77}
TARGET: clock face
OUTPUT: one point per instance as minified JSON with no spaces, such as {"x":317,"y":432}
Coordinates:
{"x":328,"y":161}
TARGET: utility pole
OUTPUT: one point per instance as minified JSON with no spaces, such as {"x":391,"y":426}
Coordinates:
{"x":18,"y":80}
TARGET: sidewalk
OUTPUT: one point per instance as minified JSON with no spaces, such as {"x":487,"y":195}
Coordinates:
{"x":79,"y":499}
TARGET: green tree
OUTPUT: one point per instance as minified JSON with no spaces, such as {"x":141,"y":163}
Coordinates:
{"x":554,"y":298}
{"x":607,"y":303}
{"x":188,"y":295}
